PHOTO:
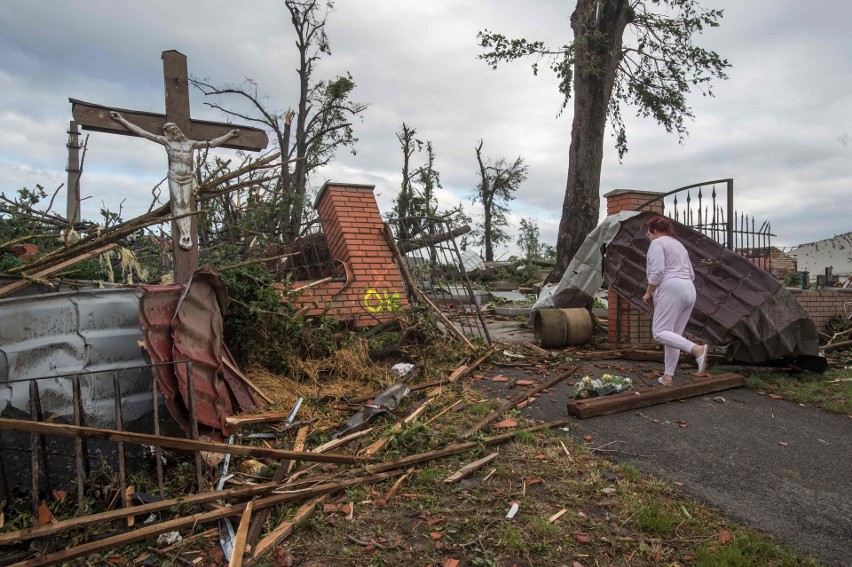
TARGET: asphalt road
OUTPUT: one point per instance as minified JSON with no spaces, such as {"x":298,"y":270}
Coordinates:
{"x":772,"y":465}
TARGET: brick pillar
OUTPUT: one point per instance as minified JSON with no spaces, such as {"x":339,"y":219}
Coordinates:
{"x":354,"y":229}
{"x":620,"y":315}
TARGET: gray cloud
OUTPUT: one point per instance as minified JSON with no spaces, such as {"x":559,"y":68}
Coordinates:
{"x":777,"y":126}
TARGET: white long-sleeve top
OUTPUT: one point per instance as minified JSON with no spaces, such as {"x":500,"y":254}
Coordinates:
{"x":668,"y":259}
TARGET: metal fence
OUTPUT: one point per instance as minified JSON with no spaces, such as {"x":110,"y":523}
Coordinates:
{"x":711,"y":212}
{"x":435,"y":262}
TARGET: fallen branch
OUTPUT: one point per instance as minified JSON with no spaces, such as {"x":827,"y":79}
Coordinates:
{"x":514,"y":401}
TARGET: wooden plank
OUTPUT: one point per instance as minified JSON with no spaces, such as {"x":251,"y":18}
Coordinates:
{"x":283,"y":531}
{"x":240,"y":539}
{"x":188,"y":521}
{"x":470,"y":467}
{"x":628,"y":400}
{"x":64,"y":430}
{"x":459,"y":448}
{"x":95,"y":117}
{"x":233,"y":368}
{"x":234,"y":422}
{"x":8,"y":538}
{"x":20,"y":284}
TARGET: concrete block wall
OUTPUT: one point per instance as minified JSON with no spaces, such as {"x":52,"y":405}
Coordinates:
{"x":354,"y":230}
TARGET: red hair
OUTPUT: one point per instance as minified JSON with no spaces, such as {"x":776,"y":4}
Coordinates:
{"x":661,"y":225}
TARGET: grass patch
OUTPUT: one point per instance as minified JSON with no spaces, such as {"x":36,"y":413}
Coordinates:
{"x":831,"y":391}
{"x":747,"y":549}
{"x":654,"y":519}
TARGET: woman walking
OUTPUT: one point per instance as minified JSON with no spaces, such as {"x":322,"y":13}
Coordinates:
{"x":670,"y":286}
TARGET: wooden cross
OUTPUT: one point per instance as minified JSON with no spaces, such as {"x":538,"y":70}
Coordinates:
{"x":97,"y":118}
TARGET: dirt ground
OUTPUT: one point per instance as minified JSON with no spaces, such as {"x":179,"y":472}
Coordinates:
{"x":773,"y":465}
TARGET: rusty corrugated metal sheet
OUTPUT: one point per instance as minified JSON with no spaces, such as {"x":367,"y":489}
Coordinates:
{"x":185,"y":323}
{"x":739,"y":307}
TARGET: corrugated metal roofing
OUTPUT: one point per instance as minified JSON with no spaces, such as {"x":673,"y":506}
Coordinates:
{"x":73,"y":332}
{"x":740,"y":307}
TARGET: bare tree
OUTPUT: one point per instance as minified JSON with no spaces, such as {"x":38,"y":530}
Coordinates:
{"x":322,"y":120}
{"x":497,"y":184}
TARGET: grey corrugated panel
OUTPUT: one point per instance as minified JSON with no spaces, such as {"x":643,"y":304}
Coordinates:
{"x":72,"y":332}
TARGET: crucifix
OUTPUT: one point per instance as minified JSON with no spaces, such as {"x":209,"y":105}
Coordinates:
{"x":180,"y":136}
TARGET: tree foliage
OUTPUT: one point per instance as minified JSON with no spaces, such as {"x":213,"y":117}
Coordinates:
{"x":530,"y":244}
{"x":498,"y":182}
{"x":309,"y":136}
{"x":603,"y":69}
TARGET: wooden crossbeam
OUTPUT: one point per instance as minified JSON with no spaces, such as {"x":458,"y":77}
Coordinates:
{"x":95,"y":117}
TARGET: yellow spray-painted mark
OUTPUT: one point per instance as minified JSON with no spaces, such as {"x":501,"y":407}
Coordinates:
{"x":376,"y":301}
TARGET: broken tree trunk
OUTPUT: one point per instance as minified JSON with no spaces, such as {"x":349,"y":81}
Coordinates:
{"x":431,"y":240}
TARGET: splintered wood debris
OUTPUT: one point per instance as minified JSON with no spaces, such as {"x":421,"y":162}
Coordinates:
{"x":308,"y":473}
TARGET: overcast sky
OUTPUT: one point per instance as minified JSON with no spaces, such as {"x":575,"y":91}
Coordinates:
{"x":781,"y":126}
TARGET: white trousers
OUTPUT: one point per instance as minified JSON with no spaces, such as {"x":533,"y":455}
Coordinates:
{"x":673,"y":303}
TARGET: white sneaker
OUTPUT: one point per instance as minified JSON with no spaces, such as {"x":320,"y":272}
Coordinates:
{"x":701,"y":361}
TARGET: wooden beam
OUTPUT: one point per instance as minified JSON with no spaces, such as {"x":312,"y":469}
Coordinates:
{"x":628,"y":400}
{"x":459,"y":448}
{"x":240,"y":539}
{"x":284,"y":529}
{"x":28,"y":278}
{"x":470,"y":467}
{"x":234,"y":422}
{"x":188,"y":521}
{"x":95,"y":117}
{"x":233,"y":368}
{"x":9,"y":538}
{"x":64,"y":430}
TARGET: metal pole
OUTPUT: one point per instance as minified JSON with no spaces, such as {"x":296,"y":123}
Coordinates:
{"x":158,"y":455}
{"x":73,"y":186}
{"x":730,"y":236}
{"x":78,"y":446}
{"x":119,"y":426}
{"x":193,"y":422}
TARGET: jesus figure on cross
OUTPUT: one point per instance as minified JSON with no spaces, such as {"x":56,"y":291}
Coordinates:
{"x":181,"y":177}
